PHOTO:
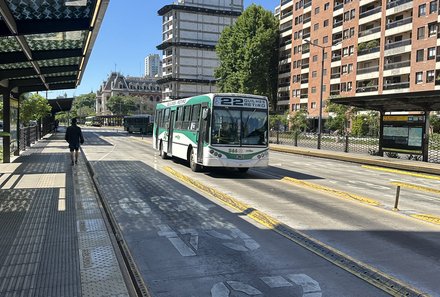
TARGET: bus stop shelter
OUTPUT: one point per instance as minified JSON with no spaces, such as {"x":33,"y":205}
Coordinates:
{"x":413,"y":102}
{"x":44,"y":46}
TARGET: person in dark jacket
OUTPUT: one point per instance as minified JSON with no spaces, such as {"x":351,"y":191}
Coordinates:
{"x":74,"y":137}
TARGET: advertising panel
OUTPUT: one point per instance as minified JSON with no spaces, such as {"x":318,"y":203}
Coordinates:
{"x":403,"y":133}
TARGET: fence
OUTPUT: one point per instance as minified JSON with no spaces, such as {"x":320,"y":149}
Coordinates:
{"x":28,"y":136}
{"x":350,"y":144}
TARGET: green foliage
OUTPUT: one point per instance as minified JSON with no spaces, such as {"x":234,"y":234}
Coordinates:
{"x":122,"y":105}
{"x":372,"y":44}
{"x":84,"y":105}
{"x":299,"y":121}
{"x":365,"y":125}
{"x":338,"y":121}
{"x":434,"y":121}
{"x":1,"y":108}
{"x":248,"y":53}
{"x":33,"y":107}
{"x":277,"y":120}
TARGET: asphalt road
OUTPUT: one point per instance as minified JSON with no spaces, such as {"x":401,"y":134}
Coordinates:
{"x":186,"y":243}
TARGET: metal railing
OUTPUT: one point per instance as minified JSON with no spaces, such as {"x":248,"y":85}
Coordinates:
{"x":369,"y":51}
{"x":349,"y":143}
{"x":398,"y":44}
{"x":28,"y":136}
{"x":370,"y":12}
{"x":392,"y":4}
{"x":395,"y":65}
{"x":399,"y":23}
{"x":367,"y":70}
{"x":369,"y":31}
{"x":394,"y":86}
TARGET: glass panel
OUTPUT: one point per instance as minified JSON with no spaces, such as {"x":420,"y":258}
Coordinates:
{"x":15,"y":66}
{"x":254,"y":128}
{"x":9,"y":44}
{"x":226,"y":127}
{"x":55,"y":41}
{"x":59,"y":62}
{"x":50,"y":9}
{"x":61,"y":74}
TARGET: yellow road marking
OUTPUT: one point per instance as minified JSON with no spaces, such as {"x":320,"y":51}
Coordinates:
{"x":327,"y":190}
{"x":427,"y":218}
{"x":278,"y":227}
{"x":416,"y":187}
{"x":401,"y":172}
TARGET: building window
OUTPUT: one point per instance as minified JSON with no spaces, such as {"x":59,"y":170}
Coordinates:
{"x":313,"y":105}
{"x":350,"y":68}
{"x":315,"y":27}
{"x":316,"y":10}
{"x":344,"y":69}
{"x":422,"y":10}
{"x":345,"y":51}
{"x":431,"y":53}
{"x":325,"y":56}
{"x":419,"y":77}
{"x":324,"y":72}
{"x":343,"y":87}
{"x":432,"y":29}
{"x":326,"y":6}
{"x":315,"y":58}
{"x":420,"y":33}
{"x":433,"y":7}
{"x":325,"y":39}
{"x":345,"y":34}
{"x":351,"y":50}
{"x":429,"y":76}
{"x":419,"y":55}
{"x":313,"y":90}
{"x":326,"y":23}
{"x":314,"y":74}
{"x":324,"y":88}
{"x":349,"y":86}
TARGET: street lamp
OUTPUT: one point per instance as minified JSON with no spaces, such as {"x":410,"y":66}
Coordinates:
{"x":322,"y":88}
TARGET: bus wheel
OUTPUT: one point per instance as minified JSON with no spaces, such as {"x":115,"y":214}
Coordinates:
{"x":193,"y":163}
{"x":162,"y":154}
{"x":243,"y":169}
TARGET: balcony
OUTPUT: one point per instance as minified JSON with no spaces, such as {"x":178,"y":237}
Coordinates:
{"x":397,"y":44}
{"x":338,"y":6}
{"x":304,"y":66}
{"x":368,"y":51}
{"x":336,"y":41}
{"x":394,"y":86}
{"x":367,"y":70}
{"x":370,"y":12}
{"x":307,"y":20}
{"x":367,"y":89}
{"x":397,"y":65}
{"x":335,"y":92}
{"x":369,"y":31}
{"x":398,"y":23}
{"x":285,"y":15}
{"x":336,"y":58}
{"x":304,"y":81}
{"x":307,"y":4}
{"x":335,"y":75}
{"x":283,"y":2}
{"x":392,"y":4}
{"x":337,"y":24}
{"x":304,"y":96}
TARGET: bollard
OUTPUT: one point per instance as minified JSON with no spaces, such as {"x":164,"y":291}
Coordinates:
{"x":396,"y":203}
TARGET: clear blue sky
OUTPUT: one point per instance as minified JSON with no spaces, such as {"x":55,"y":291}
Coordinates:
{"x":130,"y":31}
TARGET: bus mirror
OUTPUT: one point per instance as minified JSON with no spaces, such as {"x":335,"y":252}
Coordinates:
{"x":205,"y":114}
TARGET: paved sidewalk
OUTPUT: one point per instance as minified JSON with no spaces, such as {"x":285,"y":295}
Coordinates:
{"x":54,"y":239}
{"x":399,"y":164}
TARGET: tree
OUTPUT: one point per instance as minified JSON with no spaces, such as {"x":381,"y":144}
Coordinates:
{"x":277,"y":120}
{"x":248,"y":54}
{"x":84,"y":105}
{"x":340,"y":114}
{"x":359,"y":126}
{"x":33,"y":107}
{"x":299,"y":121}
{"x":122,"y":105}
{"x":434,"y":121}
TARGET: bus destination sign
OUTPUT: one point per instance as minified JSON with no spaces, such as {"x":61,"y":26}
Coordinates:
{"x":240,"y":102}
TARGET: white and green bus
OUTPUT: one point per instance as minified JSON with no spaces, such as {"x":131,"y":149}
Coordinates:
{"x":214,"y":130}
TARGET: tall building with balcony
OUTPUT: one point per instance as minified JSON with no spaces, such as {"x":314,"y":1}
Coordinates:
{"x":191,"y":29}
{"x":371,"y":47}
{"x":153,"y":66}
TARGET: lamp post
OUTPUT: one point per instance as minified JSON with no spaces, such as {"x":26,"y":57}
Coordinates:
{"x":322,"y":88}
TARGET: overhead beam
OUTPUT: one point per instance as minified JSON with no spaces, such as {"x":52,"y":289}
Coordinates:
{"x":14,"y":73}
{"x":8,"y":17}
{"x":28,"y":27}
{"x":18,"y":57}
{"x":41,"y":87}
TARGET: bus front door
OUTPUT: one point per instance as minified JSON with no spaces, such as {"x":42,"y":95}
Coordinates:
{"x":203,"y":132}
{"x":170,"y":133}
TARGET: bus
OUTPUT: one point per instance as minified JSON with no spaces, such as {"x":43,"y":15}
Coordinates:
{"x":141,"y":123}
{"x":92,"y":121}
{"x":214,"y":130}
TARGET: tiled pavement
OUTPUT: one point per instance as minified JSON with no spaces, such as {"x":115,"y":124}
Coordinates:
{"x":54,"y":239}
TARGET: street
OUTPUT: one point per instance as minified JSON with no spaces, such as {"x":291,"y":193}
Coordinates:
{"x":184,"y":240}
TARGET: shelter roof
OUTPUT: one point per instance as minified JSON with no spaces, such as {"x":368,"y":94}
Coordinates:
{"x":410,"y":101}
{"x":45,"y":45}
{"x":60,"y":104}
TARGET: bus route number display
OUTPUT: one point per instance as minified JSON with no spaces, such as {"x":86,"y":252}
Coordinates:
{"x":240,"y":102}
{"x":403,"y":133}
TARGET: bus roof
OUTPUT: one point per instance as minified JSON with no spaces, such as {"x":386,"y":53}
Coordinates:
{"x":204,"y":98}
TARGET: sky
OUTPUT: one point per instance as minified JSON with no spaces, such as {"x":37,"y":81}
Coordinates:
{"x":127,"y":35}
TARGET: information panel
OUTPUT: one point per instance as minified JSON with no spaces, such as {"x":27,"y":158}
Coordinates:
{"x":403,"y":133}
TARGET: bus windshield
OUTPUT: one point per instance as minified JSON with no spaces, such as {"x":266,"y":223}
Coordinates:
{"x":239,"y":127}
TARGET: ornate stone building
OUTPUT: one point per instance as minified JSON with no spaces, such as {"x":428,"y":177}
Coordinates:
{"x":145,"y":89}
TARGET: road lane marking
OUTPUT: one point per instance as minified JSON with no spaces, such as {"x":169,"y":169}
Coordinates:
{"x":415,"y":174}
{"x":428,"y":218}
{"x":416,"y":187}
{"x":342,"y":194}
{"x":371,"y":275}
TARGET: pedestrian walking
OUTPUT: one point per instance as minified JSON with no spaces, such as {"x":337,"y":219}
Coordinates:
{"x":74,"y":137}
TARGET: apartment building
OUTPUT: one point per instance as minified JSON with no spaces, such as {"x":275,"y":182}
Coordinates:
{"x":366,"y":47}
{"x":153,"y":66}
{"x":191,"y":29}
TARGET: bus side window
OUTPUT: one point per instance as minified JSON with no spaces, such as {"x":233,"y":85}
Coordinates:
{"x":179,"y":118}
{"x":195,"y":117}
{"x":159,"y":118}
{"x":186,"y":118}
{"x":166,"y":118}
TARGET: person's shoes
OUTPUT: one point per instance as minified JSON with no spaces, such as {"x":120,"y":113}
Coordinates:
{"x":73,"y":163}
{"x":76,"y":161}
